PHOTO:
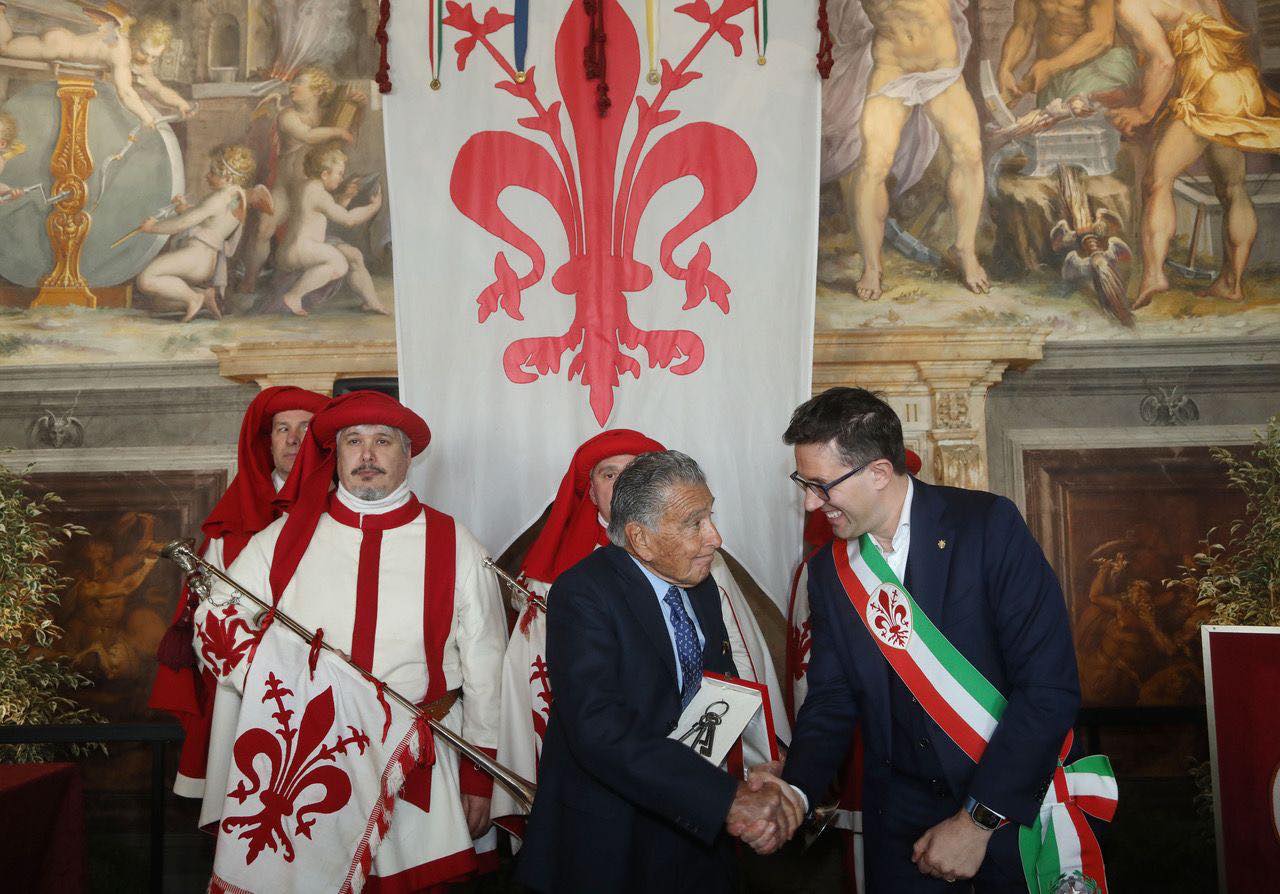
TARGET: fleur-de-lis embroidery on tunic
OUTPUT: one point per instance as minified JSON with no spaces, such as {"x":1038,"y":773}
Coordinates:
{"x":300,"y":763}
{"x":801,"y":641}
{"x":540,"y":688}
{"x":224,"y":640}
{"x":600,"y":206}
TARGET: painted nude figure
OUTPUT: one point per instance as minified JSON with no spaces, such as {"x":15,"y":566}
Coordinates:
{"x":107,"y":46}
{"x":299,"y":129}
{"x":1205,"y":93}
{"x":917,"y":52}
{"x":1075,"y":51}
{"x":192,"y":275}
{"x":304,"y":248}
{"x":150,"y":39}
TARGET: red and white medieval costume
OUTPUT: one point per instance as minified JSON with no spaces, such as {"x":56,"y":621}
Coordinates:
{"x":573,"y":529}
{"x":181,"y":686}
{"x":402,"y":589}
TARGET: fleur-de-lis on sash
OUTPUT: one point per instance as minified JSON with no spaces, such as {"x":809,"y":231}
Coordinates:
{"x":890,"y":616}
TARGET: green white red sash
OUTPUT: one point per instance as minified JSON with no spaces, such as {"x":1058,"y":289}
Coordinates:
{"x":963,"y":702}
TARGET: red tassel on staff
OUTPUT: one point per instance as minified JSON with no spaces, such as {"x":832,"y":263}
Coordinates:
{"x":825,"y":45}
{"x":384,"y":67}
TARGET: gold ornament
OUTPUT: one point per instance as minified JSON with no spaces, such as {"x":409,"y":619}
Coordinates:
{"x":435,"y":83}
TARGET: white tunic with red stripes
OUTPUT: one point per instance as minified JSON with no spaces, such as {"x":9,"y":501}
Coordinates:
{"x":361,"y":580}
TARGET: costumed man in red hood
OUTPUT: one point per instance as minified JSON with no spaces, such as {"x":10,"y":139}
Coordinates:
{"x":270,"y":435}
{"x":574,"y":528}
{"x":402,"y":589}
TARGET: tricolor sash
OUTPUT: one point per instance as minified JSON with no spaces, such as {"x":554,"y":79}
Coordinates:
{"x":963,"y":702}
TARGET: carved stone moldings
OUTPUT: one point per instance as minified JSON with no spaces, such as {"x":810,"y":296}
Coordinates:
{"x":936,"y":379}
{"x":51,"y":430}
{"x":306,"y":364}
{"x":951,"y":409}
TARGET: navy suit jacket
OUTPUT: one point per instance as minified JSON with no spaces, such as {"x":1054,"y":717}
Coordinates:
{"x":620,"y":807}
{"x":978,"y":574}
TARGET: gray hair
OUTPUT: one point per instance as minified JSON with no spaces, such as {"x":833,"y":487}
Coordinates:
{"x":405,"y":444}
{"x":640,"y":492}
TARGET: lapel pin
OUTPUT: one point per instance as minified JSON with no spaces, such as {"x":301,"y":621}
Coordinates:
{"x":942,"y":544}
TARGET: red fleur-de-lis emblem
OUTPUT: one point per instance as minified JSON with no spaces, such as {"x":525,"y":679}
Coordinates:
{"x":599,"y":205}
{"x":889,"y":615}
{"x":801,"y":639}
{"x":224,"y":640}
{"x":299,"y":761}
{"x":540,"y":687}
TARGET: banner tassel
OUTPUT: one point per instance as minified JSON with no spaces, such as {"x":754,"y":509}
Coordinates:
{"x":593,"y":54}
{"x":825,"y":44}
{"x":762,"y":30}
{"x":435,"y":39}
{"x":651,"y":14}
{"x":384,"y":67}
{"x":521,"y":38}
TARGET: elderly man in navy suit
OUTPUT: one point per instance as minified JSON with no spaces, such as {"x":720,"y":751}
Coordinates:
{"x":938,"y":623}
{"x":630,"y":629}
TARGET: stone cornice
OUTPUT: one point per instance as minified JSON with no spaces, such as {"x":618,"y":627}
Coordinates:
{"x":307,"y":364}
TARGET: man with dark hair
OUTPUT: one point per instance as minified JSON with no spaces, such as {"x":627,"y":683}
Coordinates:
{"x":938,"y":624}
{"x":630,"y":630}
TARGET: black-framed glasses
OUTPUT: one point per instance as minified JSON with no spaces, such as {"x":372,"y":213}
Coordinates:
{"x":823,"y":491}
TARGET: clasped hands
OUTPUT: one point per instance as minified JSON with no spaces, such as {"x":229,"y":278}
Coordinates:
{"x":766,"y":811}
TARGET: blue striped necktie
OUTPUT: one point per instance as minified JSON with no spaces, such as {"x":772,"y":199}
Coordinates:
{"x":686,"y":646}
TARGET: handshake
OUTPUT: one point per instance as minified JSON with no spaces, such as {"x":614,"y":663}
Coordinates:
{"x":766,"y":811}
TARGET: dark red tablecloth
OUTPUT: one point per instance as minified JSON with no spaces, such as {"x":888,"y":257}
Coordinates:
{"x":41,"y":829}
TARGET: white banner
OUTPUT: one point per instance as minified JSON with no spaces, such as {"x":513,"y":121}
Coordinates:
{"x":541,"y":295}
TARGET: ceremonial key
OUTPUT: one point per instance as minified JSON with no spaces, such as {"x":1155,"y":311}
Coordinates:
{"x":704,"y":730}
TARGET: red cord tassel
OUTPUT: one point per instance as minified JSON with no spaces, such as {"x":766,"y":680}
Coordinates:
{"x":593,"y":54}
{"x":176,"y":649}
{"x":384,"y":67}
{"x":825,"y":45}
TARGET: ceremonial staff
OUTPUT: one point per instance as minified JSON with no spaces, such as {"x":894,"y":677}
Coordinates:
{"x":197,"y":572}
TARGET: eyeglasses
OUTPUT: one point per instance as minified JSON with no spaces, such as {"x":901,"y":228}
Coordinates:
{"x":823,"y":491}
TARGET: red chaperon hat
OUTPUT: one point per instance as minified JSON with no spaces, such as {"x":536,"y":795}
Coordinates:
{"x":247,"y":506}
{"x":306,"y":493}
{"x":244,"y":510}
{"x":573,"y":528}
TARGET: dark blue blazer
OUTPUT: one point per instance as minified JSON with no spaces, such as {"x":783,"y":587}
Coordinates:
{"x":978,"y":574}
{"x":620,"y":807}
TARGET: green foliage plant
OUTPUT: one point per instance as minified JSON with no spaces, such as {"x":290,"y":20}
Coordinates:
{"x":36,"y":686}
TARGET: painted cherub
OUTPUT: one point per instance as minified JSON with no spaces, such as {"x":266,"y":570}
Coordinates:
{"x":108,"y":46}
{"x":192,"y":275}
{"x":9,"y":147}
{"x":298,"y":129}
{"x":306,"y":252}
{"x":150,"y":38}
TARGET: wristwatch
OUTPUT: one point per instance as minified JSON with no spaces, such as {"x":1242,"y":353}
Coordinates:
{"x":983,"y":817}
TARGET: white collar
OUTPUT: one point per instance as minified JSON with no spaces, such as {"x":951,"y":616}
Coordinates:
{"x":903,"y":531}
{"x":277,"y":479}
{"x":393,"y":500}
